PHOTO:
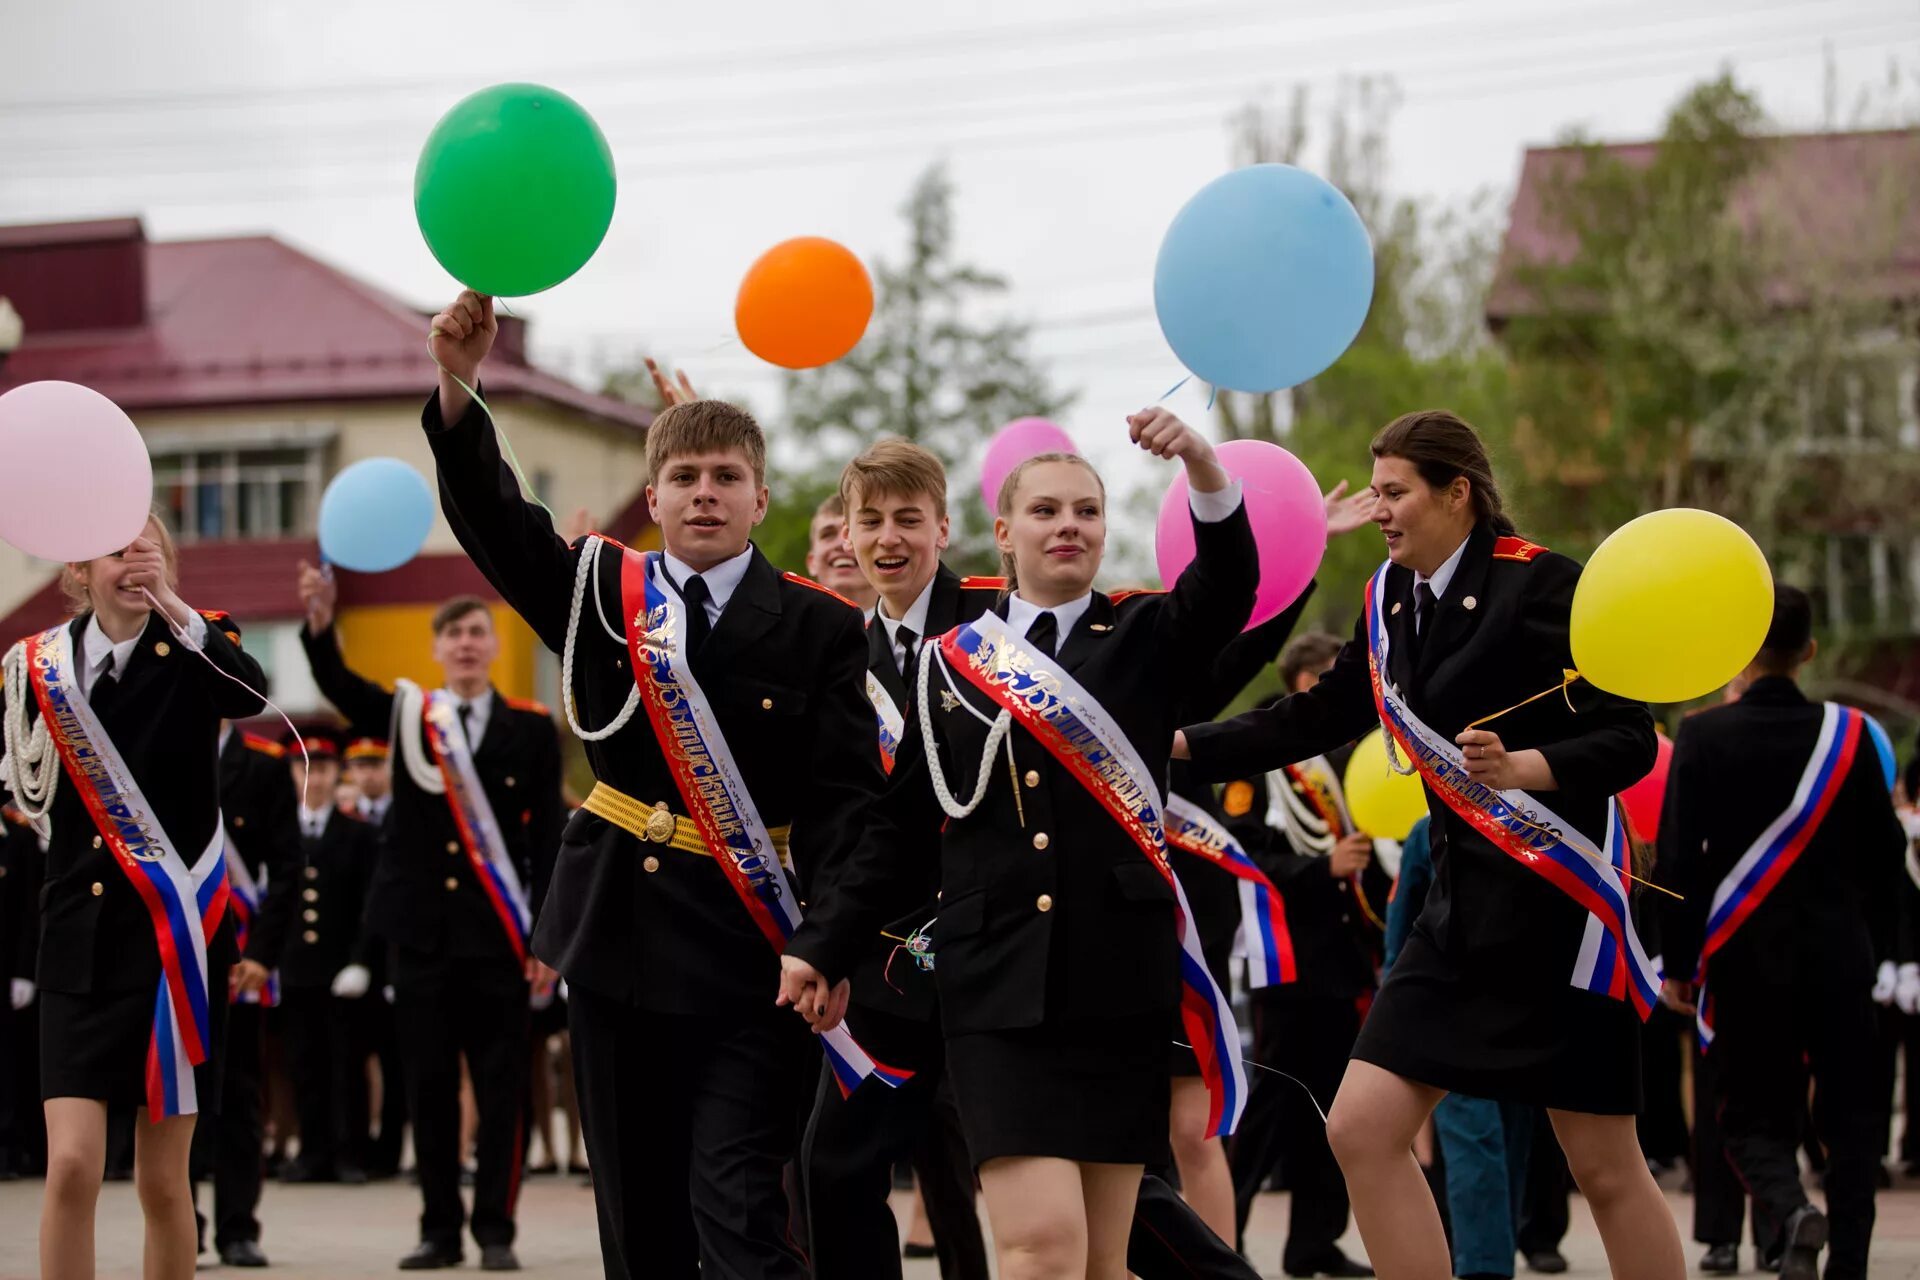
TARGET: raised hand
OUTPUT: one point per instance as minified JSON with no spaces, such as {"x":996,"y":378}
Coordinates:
{"x":463,"y":334}
{"x":1161,"y":433}
{"x":1344,"y":513}
{"x":670,"y":393}
{"x":318,"y":595}
{"x":146,"y":567}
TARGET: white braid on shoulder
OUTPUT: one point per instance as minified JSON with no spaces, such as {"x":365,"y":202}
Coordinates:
{"x":996,"y":735}
{"x":30,"y":765}
{"x":408,"y":734}
{"x":583,"y":575}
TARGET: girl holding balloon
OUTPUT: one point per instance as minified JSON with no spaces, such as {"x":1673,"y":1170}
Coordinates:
{"x":119,"y":710}
{"x":1518,"y":983}
{"x":1062,"y":945}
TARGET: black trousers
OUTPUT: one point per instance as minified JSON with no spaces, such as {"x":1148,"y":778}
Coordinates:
{"x":1309,"y":1038}
{"x":327,"y":1059}
{"x":481,"y":1015}
{"x":1662,"y":1123}
{"x":380,"y":1033}
{"x":227,"y":1146}
{"x":1543,"y":1209}
{"x":1170,"y":1242}
{"x":1766,"y":1043}
{"x":689,"y":1122}
{"x":853,"y":1142}
{"x":1719,"y":1200}
{"x":1898,"y":1032}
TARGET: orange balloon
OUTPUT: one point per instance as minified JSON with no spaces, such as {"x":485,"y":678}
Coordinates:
{"x":805,"y":303}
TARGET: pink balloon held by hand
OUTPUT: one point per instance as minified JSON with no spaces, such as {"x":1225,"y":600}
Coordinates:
{"x":77,"y":481}
{"x":1289,"y":520}
{"x":1012,"y":445}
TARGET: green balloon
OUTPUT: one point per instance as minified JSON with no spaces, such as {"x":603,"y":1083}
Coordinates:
{"x":514,"y":190}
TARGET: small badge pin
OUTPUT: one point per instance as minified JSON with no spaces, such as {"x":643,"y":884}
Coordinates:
{"x":1469,"y":603}
{"x":1396,"y":606}
{"x":948,"y":701}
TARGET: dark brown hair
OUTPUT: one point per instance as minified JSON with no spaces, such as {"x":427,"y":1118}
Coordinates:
{"x":1442,"y":448}
{"x":457,"y":608}
{"x":1003,"y":503}
{"x":705,"y":426}
{"x":897,"y":468}
{"x":1304,"y":652}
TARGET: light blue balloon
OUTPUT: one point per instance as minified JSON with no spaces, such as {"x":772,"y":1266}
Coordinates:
{"x":1884,"y":746}
{"x":1264,"y":278}
{"x":375,"y":516}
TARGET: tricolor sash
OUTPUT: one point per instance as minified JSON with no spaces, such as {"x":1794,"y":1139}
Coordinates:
{"x":244,"y":901}
{"x":1519,"y":825}
{"x":480,"y":836}
{"x":1071,"y":724}
{"x":1773,"y":853}
{"x":1263,"y":916}
{"x":892,"y":723}
{"x":185,"y":902}
{"x":713,"y":789}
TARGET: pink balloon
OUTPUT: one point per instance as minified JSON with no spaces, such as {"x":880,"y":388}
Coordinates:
{"x":1289,"y":523}
{"x":1644,"y":800}
{"x":77,"y":481}
{"x":1012,"y":445}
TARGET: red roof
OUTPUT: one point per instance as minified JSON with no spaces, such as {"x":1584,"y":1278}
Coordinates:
{"x":1845,"y":208}
{"x":195,"y":323}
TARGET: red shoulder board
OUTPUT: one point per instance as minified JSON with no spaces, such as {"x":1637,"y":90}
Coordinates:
{"x":809,"y":582}
{"x":223,"y":620}
{"x":974,"y":582}
{"x":528,"y":704}
{"x":1128,"y":593}
{"x":1516,"y":549}
{"x":265,"y":746}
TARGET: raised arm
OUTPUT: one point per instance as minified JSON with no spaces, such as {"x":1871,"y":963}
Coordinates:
{"x":511,"y":539}
{"x":230,"y":677}
{"x":368,"y":706}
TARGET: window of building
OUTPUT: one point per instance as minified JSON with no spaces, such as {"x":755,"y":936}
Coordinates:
{"x":241,"y":492}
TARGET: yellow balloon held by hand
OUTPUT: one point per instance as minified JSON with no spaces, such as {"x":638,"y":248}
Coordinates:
{"x":1383,"y":803}
{"x":1671,"y":607}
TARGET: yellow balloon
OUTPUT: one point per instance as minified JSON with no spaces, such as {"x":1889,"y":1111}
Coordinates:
{"x":1671,"y":607}
{"x":1382,"y":802}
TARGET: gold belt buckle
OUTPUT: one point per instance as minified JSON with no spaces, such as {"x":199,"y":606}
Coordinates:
{"x":660,"y":824}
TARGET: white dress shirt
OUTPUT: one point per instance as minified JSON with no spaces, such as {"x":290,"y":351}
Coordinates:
{"x":1444,"y":574}
{"x":374,"y":811}
{"x":916,"y":621}
{"x":313,"y":822}
{"x":721,"y":580}
{"x":477,"y":713}
{"x":96,"y":649}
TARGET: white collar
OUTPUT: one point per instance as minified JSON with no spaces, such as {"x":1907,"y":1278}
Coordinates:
{"x":1444,"y":574}
{"x":721,"y":580}
{"x":916,"y":618}
{"x":1021,"y":612}
{"x":95,"y":647}
{"x":314,"y":817}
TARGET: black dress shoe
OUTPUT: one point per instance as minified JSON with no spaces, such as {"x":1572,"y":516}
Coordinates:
{"x":1334,"y":1264}
{"x":498,"y":1257}
{"x":242,"y":1253}
{"x":298,"y":1170}
{"x":1721,"y":1260}
{"x":1548,"y":1262}
{"x":1801,"y":1243}
{"x":353,"y":1175}
{"x":428,"y":1256}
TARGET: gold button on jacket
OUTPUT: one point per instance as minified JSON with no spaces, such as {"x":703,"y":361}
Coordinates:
{"x":452,"y":884}
{"x":1044,"y":902}
{"x":98,"y":888}
{"x":651,"y":863}
{"x":1041,"y":840}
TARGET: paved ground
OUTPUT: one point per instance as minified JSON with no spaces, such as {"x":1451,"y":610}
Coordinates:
{"x":361,"y":1231}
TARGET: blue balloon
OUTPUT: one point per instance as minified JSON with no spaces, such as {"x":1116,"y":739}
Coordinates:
{"x":1884,"y":745}
{"x":375,"y":516}
{"x":1264,"y":278}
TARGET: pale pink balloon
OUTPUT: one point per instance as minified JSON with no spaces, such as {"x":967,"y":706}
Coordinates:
{"x":1012,"y":445}
{"x":1288,"y":515}
{"x":77,"y":482}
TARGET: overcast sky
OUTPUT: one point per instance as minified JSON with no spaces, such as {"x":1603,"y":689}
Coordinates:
{"x":1074,"y":130}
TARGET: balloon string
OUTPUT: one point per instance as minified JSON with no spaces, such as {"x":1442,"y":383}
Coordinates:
{"x":499,"y":432}
{"x":722,"y":345}
{"x":1566,"y":682}
{"x":1274,"y":1071}
{"x":1176,"y":386}
{"x":298,"y":739}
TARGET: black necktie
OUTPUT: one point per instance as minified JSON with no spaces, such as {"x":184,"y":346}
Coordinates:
{"x":907,"y":640}
{"x":466,"y":723}
{"x":696,"y":595}
{"x":105,"y":686}
{"x":1422,"y":614}
{"x":1044,"y":633}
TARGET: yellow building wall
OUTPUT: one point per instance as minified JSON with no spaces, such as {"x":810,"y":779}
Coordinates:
{"x":387,"y":642}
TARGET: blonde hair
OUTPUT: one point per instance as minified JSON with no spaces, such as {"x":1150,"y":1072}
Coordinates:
{"x":1003,"y":503}
{"x":896,"y":467}
{"x":701,"y":427}
{"x":79,"y":600}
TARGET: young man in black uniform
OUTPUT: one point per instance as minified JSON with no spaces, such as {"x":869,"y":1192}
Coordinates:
{"x":454,"y":890}
{"x":689,"y":1077}
{"x":830,"y":558}
{"x":894,"y":500}
{"x":1779,"y":833}
{"x":263,"y":845}
{"x":369,"y":767}
{"x":1293,"y":824}
{"x":325,"y":974}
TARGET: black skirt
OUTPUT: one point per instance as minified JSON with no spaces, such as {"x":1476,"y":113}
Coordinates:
{"x":1511,"y":1035}
{"x":95,"y":1045}
{"x":1096,"y":1091}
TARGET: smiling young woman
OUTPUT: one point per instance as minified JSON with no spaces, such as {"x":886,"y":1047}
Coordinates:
{"x":1465,"y":618}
